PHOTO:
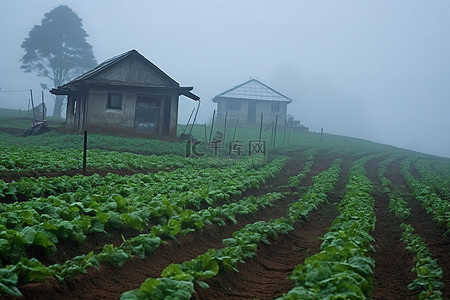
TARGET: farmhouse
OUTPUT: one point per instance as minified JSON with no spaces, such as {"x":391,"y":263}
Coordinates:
{"x":126,"y":94}
{"x":247,"y":101}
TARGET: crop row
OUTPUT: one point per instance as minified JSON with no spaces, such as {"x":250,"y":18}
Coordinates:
{"x":177,"y":281}
{"x":438,"y":208}
{"x":28,"y":187}
{"x":343,"y":268}
{"x":317,"y":193}
{"x":27,"y":236}
{"x":309,"y":156}
{"x":440,"y":181}
{"x":30,"y":270}
{"x":43,"y":221}
{"x":44,"y":159}
{"x":428,"y":273}
{"x":397,"y":205}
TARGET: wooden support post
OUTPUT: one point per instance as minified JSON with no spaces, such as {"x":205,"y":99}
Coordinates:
{"x":290,"y":130}
{"x":84,"y":152}
{"x":271,"y":135}
{"x":225,"y":128}
{"x":212,"y":126}
{"x":321,"y":134}
{"x":32,"y":104}
{"x":275,"y":132}
{"x":284,"y":134}
{"x":189,"y":120}
{"x":205,"y":133}
{"x":260,"y":128}
{"x":195,"y":117}
{"x":43,"y":106}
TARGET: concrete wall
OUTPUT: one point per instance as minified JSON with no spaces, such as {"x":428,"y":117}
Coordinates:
{"x":173,"y":123}
{"x":264,"y":107}
{"x":102,"y":117}
{"x":268,"y":115}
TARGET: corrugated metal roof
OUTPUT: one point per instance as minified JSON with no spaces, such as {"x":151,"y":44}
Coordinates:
{"x":253,"y":90}
{"x":107,"y":63}
{"x":68,"y":87}
{"x":101,"y":66}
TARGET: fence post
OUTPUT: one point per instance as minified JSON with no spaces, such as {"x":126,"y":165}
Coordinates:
{"x":275,"y":132}
{"x":260,"y":128}
{"x":84,"y":152}
{"x":195,"y":117}
{"x":212,"y":125}
{"x":32,"y":104}
{"x":290,"y":130}
{"x":225,"y":128}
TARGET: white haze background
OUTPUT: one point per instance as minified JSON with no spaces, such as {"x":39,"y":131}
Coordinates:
{"x":377,"y":70}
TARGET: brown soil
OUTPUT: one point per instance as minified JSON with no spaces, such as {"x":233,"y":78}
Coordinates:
{"x":265,"y":276}
{"x":67,"y":249}
{"x":414,"y":170}
{"x":438,"y":244}
{"x":114,"y":281}
{"x":392,"y":261}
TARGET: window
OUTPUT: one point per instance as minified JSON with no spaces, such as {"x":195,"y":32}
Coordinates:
{"x":114,"y":101}
{"x":233,"y":104}
{"x":275,"y":106}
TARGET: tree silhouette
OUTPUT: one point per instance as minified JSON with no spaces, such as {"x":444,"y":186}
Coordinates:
{"x":57,"y":49}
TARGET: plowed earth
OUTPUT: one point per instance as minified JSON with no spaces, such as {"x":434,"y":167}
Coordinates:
{"x":265,"y":275}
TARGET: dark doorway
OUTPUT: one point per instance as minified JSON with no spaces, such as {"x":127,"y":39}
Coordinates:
{"x":148,"y":115}
{"x":251,"y":113}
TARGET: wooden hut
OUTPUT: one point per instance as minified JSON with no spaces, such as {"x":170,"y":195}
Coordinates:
{"x":126,"y":94}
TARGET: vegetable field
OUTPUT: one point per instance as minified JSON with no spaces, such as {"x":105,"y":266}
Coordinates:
{"x":339,"y":218}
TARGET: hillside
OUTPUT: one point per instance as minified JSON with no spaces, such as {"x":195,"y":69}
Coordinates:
{"x":312,"y":218}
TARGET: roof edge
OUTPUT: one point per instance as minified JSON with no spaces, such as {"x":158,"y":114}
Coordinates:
{"x":113,"y":60}
{"x":239,"y":85}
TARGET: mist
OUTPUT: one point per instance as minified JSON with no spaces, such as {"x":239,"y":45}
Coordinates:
{"x":373,"y":70}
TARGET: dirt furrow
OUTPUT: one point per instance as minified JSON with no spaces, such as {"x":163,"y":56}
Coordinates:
{"x":265,"y":276}
{"x":111,"y":281}
{"x":95,"y":241}
{"x":437,"y":243}
{"x":392,"y":261}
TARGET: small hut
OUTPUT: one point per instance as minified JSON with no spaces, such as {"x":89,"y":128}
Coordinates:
{"x":248,"y":100}
{"x":126,"y":94}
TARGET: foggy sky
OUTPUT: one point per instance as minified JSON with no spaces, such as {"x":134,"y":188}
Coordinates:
{"x":377,"y":70}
